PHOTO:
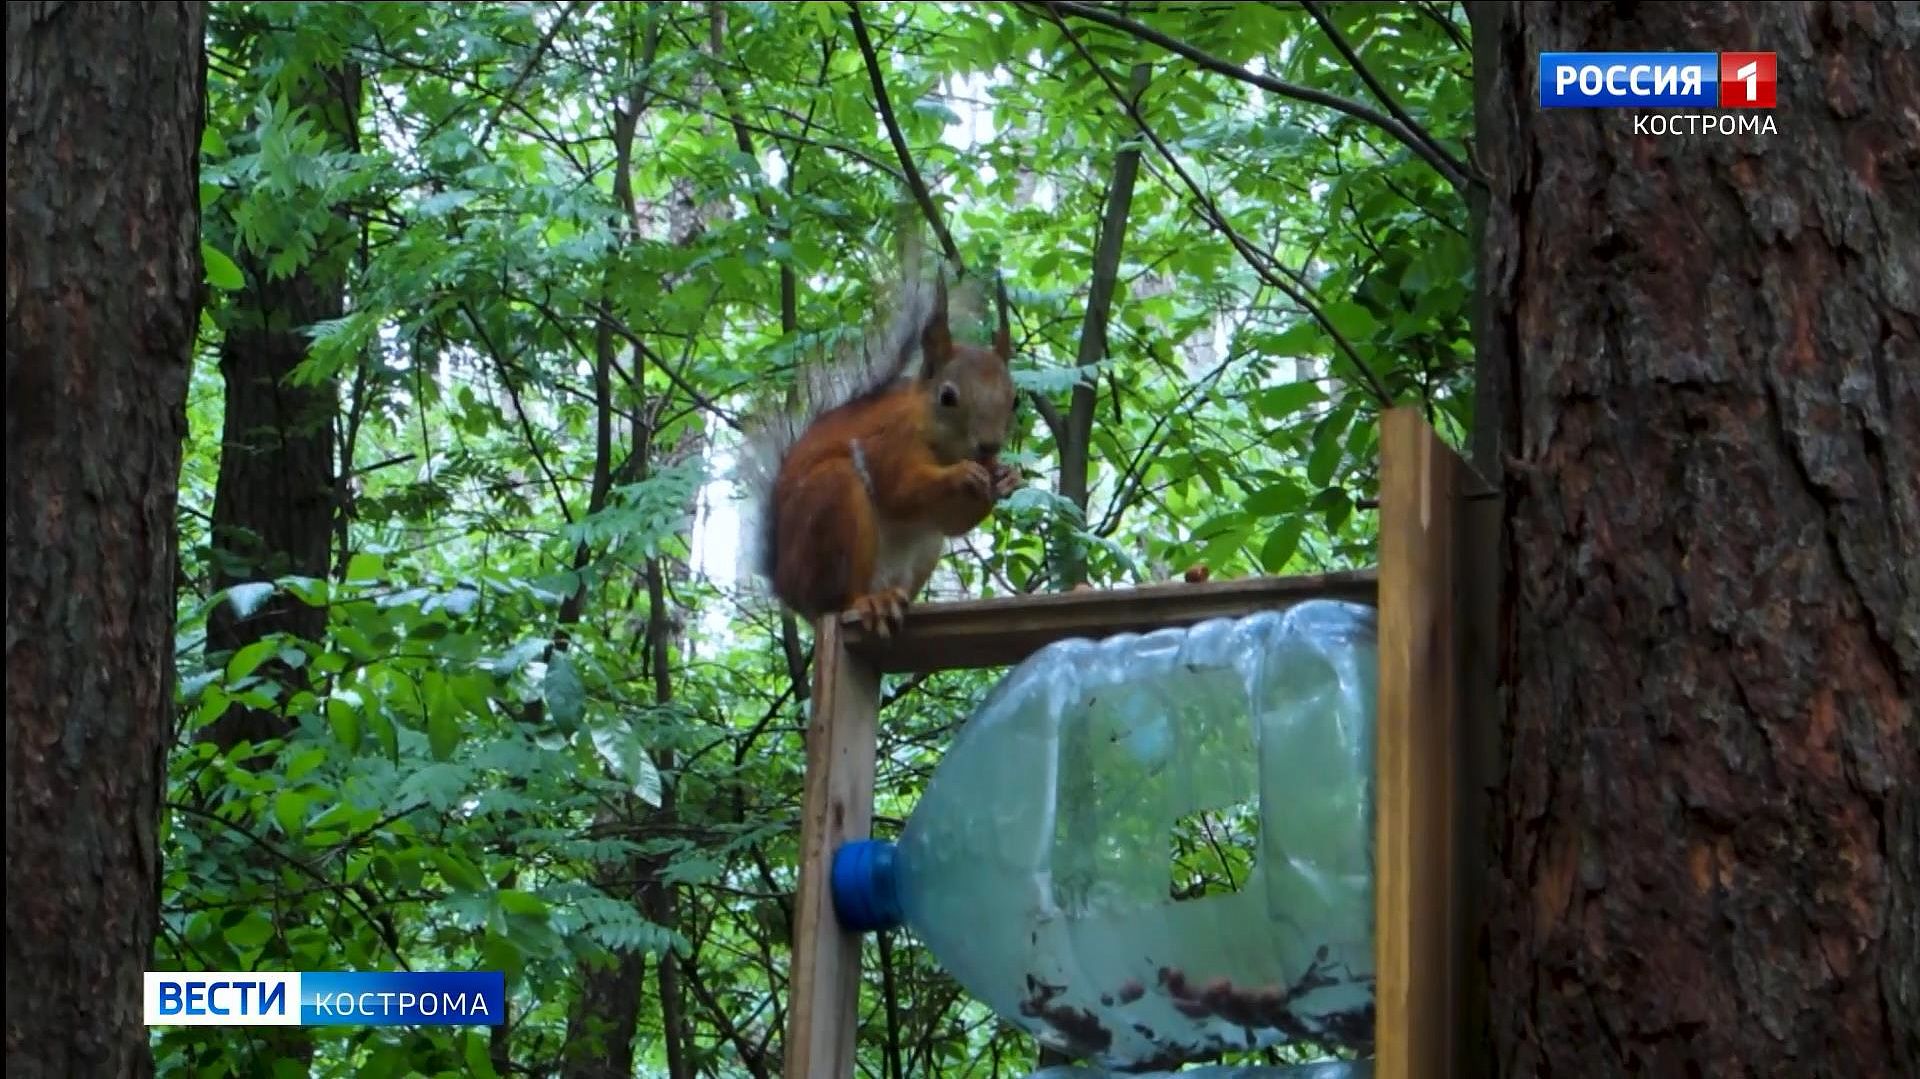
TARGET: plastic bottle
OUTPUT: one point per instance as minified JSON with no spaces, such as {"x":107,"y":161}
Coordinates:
{"x":1357,"y":1069}
{"x":1038,"y":867}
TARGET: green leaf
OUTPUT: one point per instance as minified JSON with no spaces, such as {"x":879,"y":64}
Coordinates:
{"x":1224,"y":544}
{"x":514,"y":901}
{"x":1336,"y":505}
{"x":565,"y":694}
{"x":518,"y":656}
{"x":345,"y":723}
{"x":290,"y":809}
{"x":246,"y":598}
{"x":251,"y":931}
{"x":445,"y":202}
{"x":692,"y":869}
{"x":249,"y":658}
{"x":438,"y":785}
{"x":622,"y":749}
{"x":443,"y":734}
{"x":498,"y":953}
{"x":304,"y":762}
{"x":458,"y":602}
{"x":479,"y":1060}
{"x":384,"y":1058}
{"x":365,"y":566}
{"x":1281,"y":543}
{"x":1281,"y":497}
{"x":213,"y":704}
{"x":459,"y":872}
{"x":1327,"y":444}
{"x":1282,"y":401}
{"x":384,"y":731}
{"x":1354,"y":322}
{"x":1303,"y":338}
{"x":308,"y":590}
{"x":222,"y":273}
{"x":475,"y":691}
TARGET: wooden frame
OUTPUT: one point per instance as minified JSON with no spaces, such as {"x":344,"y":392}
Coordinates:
{"x":1432,"y":590}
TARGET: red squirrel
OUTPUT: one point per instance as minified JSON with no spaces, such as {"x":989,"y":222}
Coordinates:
{"x":863,"y":501}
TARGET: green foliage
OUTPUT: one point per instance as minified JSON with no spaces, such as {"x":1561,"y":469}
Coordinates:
{"x":492,"y":759}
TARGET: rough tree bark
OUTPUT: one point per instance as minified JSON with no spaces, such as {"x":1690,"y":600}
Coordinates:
{"x":274,"y":502}
{"x":1703,"y":371}
{"x":104,"y":114}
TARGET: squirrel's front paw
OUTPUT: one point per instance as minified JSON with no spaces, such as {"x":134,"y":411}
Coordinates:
{"x":1006,"y":480}
{"x":974,"y":480}
{"x":881,"y":613}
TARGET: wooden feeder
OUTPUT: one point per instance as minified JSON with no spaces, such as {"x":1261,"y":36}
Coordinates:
{"x":1432,"y":591}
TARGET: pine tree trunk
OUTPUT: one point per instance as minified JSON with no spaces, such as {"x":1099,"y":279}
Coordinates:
{"x":104,"y":115}
{"x":1702,"y":367}
{"x":274,"y":502}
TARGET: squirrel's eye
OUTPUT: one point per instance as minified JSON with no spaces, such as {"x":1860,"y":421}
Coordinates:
{"x":949,"y":396}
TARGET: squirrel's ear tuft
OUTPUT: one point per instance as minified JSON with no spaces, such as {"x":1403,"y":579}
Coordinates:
{"x":936,"y":341}
{"x":1003,"y":334}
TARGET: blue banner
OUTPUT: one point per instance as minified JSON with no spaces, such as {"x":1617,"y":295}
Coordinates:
{"x":1590,"y":80}
{"x":326,"y":998}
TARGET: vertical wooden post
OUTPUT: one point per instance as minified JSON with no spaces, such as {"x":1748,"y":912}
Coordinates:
{"x":1427,"y":861}
{"x":824,"y":980}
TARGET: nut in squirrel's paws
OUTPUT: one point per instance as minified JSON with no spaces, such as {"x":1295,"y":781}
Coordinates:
{"x":881,"y":613}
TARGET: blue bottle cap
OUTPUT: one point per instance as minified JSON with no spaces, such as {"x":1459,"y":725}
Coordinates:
{"x":866,"y":886}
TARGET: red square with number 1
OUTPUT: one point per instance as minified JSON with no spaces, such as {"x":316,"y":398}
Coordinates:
{"x":1746,"y":80}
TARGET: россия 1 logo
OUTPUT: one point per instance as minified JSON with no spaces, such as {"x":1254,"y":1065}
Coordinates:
{"x":1705,"y":80}
{"x":1746,"y":80}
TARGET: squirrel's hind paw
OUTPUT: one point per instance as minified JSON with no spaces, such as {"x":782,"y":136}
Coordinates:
{"x":881,"y":613}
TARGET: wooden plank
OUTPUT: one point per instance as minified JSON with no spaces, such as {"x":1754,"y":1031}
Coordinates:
{"x":1001,"y":632}
{"x":1423,"y":915}
{"x":824,"y":980}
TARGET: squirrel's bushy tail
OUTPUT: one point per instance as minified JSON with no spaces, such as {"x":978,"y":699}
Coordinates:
{"x":870,"y":363}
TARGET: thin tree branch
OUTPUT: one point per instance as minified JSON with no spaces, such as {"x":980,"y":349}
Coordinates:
{"x":519,"y":410}
{"x":1262,"y":263}
{"x":1446,"y":24}
{"x":526,"y":72}
{"x":853,"y":152}
{"x":750,"y":1055}
{"x":890,"y":992}
{"x":1092,"y":13}
{"x":620,"y":327}
{"x":378,"y":465}
{"x":1130,"y":480}
{"x":344,"y":890}
{"x":915,"y":182}
{"x":1360,"y":68}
